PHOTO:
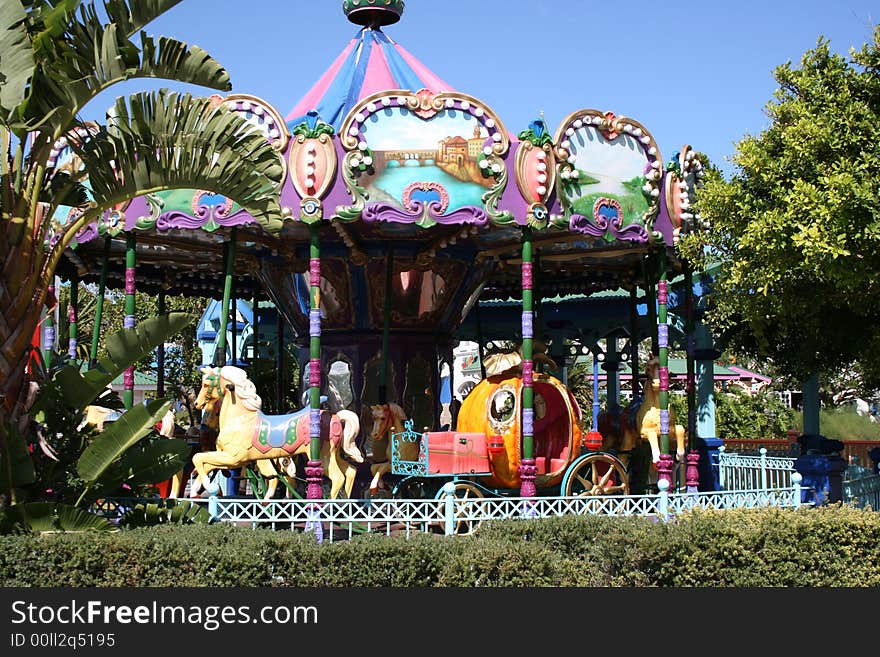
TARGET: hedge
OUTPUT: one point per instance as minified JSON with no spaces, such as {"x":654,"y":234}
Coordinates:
{"x":832,"y":546}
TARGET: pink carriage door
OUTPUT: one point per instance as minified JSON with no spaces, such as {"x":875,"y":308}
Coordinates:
{"x":553,"y":429}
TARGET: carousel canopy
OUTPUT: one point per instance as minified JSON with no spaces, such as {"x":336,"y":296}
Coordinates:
{"x":413,"y":183}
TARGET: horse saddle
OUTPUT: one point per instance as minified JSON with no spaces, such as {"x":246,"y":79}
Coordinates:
{"x":288,"y":432}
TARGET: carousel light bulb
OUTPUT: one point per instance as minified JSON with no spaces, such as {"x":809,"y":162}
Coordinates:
{"x":542,"y":166}
{"x":386,"y":101}
{"x":465,"y":105}
{"x":490,"y":123}
{"x":569,"y":132}
{"x":541,"y":190}
{"x":542,"y":178}
{"x":362,"y":145}
{"x":371,"y":107}
{"x":496,"y":136}
{"x":368,"y":160}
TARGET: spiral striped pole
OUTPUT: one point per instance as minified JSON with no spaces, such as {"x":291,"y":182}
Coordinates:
{"x":49,"y":328}
{"x":72,"y":317}
{"x":527,"y":470}
{"x":129,"y":320}
{"x":664,"y":467}
{"x":314,"y":471}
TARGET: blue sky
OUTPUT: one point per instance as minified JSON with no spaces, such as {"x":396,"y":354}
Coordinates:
{"x":692,"y":73}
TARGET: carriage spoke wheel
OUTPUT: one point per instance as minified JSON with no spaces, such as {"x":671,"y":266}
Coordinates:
{"x":464,"y":490}
{"x":597,"y":475}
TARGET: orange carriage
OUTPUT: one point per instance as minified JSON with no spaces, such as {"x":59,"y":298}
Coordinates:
{"x":483,"y":456}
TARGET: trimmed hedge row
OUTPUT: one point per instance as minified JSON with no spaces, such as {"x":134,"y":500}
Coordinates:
{"x":832,"y":546}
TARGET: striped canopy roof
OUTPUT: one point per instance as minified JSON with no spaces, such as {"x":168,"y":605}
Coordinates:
{"x":370,"y":62}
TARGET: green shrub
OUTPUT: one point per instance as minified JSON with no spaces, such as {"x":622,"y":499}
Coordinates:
{"x":831,"y":546}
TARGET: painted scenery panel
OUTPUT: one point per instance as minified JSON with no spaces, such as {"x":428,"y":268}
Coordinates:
{"x":602,"y":168}
{"x":425,"y":161}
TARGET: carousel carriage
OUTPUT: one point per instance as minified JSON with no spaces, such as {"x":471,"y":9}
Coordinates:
{"x":484,"y":454}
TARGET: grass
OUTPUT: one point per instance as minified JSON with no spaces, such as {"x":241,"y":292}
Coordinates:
{"x":844,"y":424}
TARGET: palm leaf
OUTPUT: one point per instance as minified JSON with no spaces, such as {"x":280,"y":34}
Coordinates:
{"x":133,"y":425}
{"x":15,"y":452}
{"x":90,"y":56}
{"x":166,"y":140}
{"x":51,"y":517}
{"x":124,"y":348}
{"x":17,"y":61}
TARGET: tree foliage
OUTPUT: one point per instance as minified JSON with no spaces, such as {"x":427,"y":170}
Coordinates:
{"x":796,"y":230}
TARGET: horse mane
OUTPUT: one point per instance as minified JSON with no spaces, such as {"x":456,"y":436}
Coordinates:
{"x":397,"y":411}
{"x":245,"y":390}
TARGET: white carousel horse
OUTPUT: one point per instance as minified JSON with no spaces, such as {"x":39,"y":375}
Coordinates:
{"x":246,"y":434}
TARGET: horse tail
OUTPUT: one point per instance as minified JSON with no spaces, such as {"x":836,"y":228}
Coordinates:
{"x":351,"y":426}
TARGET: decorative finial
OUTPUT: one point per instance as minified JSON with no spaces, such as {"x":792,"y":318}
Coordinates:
{"x":373,"y":13}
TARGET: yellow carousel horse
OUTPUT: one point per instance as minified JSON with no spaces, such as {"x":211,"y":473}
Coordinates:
{"x":647,"y":420}
{"x":247,"y":434}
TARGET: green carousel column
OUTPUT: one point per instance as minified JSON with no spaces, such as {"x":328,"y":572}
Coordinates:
{"x":160,"y":353}
{"x":71,"y":316}
{"x":692,"y":473}
{"x":99,"y":305}
{"x":129,"y":320}
{"x":314,"y":471}
{"x":229,"y":272}
{"x":665,"y":464}
{"x":49,"y":326}
{"x":527,"y":470}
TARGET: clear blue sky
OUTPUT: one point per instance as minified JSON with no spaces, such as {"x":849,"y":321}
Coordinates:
{"x":697,"y":73}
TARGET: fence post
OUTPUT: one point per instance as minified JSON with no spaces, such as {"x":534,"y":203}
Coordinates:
{"x":213,"y":510}
{"x":763,"y":452}
{"x":796,"y":478}
{"x":721,"y":478}
{"x":663,"y":486}
{"x":449,"y":507}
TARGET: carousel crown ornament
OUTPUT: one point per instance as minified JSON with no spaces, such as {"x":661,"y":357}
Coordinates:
{"x":373,"y":13}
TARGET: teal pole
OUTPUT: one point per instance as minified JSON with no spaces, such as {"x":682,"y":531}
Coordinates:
{"x":129,"y":320}
{"x":386,"y":326}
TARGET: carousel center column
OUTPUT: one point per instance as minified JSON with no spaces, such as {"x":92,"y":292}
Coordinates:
{"x":527,"y":470}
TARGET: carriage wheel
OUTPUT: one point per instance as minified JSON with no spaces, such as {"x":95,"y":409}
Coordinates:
{"x":597,"y":474}
{"x":464,"y":490}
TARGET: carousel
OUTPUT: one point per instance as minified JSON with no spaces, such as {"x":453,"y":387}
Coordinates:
{"x":407,"y":206}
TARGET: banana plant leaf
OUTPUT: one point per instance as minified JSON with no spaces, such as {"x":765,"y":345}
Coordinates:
{"x":177,"y":512}
{"x":124,"y":348}
{"x":50,"y":517}
{"x":17,"y":63}
{"x":112,"y":443}
{"x":156,"y":462}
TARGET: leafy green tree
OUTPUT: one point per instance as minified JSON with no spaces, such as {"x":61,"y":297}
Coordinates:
{"x":57,"y":56}
{"x":796,"y":230}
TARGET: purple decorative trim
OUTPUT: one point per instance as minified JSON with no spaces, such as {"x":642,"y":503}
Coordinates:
{"x":71,"y":313}
{"x":527,"y":472}
{"x":528,"y":420}
{"x":87,"y":233}
{"x":315,"y":272}
{"x":71,"y":347}
{"x":635,"y":232}
{"x":128,"y":378}
{"x":315,"y":323}
{"x":527,"y":276}
{"x":49,"y":337}
{"x":315,"y":422}
{"x":528,"y":370}
{"x":663,"y":335}
{"x":664,"y":421}
{"x":528,"y":328}
{"x":663,"y":375}
{"x":662,"y":291}
{"x":315,"y":372}
{"x":130,"y":280}
{"x":128,"y":321}
{"x":392,"y":213}
{"x":176,"y":219}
